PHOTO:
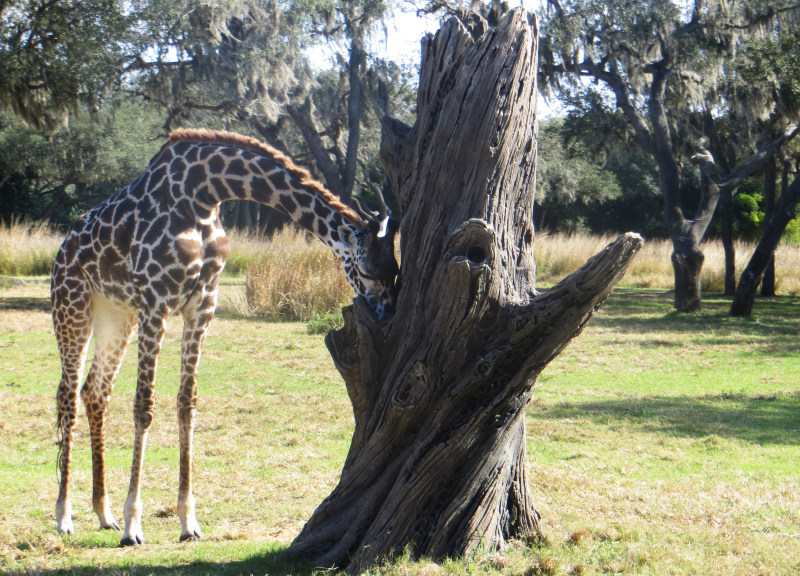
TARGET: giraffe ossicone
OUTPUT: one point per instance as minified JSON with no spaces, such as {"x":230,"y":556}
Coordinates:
{"x":157,"y":248}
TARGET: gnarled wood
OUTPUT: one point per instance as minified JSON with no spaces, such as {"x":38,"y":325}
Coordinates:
{"x":439,"y":391}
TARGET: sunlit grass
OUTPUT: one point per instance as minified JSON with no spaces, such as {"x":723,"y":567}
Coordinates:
{"x":658,"y":443}
{"x":291,"y":276}
{"x":295,"y":277}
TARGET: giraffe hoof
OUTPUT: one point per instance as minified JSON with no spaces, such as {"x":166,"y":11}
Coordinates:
{"x":191,"y":536}
{"x":131,"y":541}
{"x":112,"y":526}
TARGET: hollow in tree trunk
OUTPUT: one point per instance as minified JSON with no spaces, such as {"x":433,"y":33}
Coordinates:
{"x":437,"y":463}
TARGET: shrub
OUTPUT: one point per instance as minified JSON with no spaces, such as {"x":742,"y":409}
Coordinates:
{"x":295,"y":278}
{"x":27,"y":249}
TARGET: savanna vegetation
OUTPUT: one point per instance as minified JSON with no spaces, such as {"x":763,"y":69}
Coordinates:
{"x":659,"y":443}
{"x":650,"y":97}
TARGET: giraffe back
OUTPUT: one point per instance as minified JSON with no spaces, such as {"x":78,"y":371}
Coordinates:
{"x":145,"y":247}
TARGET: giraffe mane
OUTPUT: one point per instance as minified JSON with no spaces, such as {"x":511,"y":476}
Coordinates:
{"x":254,"y":145}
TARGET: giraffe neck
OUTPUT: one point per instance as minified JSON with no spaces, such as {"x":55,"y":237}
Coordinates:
{"x":212,"y":167}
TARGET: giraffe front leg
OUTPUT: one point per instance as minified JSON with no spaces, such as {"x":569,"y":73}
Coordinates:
{"x":151,"y":334}
{"x":196,"y":317}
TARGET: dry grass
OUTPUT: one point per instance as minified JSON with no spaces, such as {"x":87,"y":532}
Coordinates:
{"x":559,"y":254}
{"x":659,"y":444}
{"x":27,"y":249}
{"x":295,"y":277}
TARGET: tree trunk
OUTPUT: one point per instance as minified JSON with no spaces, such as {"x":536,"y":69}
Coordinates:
{"x":303,"y":118}
{"x":687,"y":264}
{"x":726,"y":215}
{"x":754,"y":271}
{"x":242,"y":215}
{"x":355,"y":106}
{"x":437,"y":463}
{"x":770,"y":177}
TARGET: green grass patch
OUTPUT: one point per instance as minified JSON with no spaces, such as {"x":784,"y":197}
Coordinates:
{"x":658,"y":444}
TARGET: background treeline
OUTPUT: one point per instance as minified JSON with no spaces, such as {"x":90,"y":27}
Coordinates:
{"x":669,"y":112}
{"x":56,"y":177}
{"x":89,"y":91}
{"x":579,"y":192}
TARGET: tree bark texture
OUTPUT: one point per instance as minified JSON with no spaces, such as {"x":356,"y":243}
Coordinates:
{"x":754,"y":271}
{"x":770,"y":184}
{"x":686,"y":235}
{"x":437,"y":463}
{"x":728,"y":246}
{"x":687,"y":265}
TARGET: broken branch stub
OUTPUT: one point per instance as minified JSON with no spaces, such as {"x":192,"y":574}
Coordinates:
{"x":438,"y":463}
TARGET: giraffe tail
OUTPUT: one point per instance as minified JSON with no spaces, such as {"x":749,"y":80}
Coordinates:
{"x":59,"y":439}
{"x":59,"y":442}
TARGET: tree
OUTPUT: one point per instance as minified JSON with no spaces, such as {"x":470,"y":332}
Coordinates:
{"x":785,"y":210}
{"x":437,"y":463}
{"x":55,"y":177}
{"x":593,"y":177}
{"x":568,"y":178}
{"x":56,"y":55}
{"x":661,"y":65}
{"x":219,"y":64}
{"x":246,"y":66}
{"x":770,"y":73}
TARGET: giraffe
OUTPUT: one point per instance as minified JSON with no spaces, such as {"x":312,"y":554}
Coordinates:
{"x":157,"y":248}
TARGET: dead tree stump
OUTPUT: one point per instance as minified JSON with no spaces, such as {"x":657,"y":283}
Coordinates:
{"x":438,"y":461}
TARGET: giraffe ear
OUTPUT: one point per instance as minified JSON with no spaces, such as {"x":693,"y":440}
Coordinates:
{"x":347,"y":237}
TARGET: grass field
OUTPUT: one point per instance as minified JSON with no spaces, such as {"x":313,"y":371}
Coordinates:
{"x":659,"y":444}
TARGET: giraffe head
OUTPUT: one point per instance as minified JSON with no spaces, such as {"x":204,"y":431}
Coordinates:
{"x":369,"y":263}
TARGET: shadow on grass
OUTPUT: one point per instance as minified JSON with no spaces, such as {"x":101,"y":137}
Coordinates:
{"x":636,"y":310}
{"x":771,"y":419}
{"x":25,"y":304}
{"x":274,"y":562}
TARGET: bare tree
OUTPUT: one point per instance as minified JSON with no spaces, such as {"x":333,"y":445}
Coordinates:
{"x":437,"y":463}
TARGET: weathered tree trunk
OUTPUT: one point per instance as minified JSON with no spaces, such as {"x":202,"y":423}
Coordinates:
{"x":762,"y":255}
{"x":687,"y":257}
{"x":437,"y":463}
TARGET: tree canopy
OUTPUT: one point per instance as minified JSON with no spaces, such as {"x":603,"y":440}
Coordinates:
{"x":218,"y":63}
{"x":60,"y":54}
{"x":668,"y":67}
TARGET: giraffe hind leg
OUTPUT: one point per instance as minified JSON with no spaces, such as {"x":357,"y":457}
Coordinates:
{"x":72,"y":324}
{"x":112,"y":333}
